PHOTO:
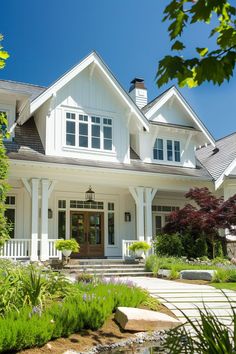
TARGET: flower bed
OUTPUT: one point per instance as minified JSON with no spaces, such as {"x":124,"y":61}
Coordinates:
{"x":40,"y":318}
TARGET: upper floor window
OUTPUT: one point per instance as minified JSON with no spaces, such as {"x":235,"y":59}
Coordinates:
{"x":88,"y":131}
{"x":166,"y":150}
{"x":158,"y":153}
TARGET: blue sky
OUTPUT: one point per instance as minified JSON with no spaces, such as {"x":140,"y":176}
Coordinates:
{"x":46,"y":37}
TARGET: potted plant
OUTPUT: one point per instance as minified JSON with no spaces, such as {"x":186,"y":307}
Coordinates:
{"x":67,"y":246}
{"x":139,"y":247}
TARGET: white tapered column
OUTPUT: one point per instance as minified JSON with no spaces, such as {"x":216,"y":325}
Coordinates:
{"x":44,"y":246}
{"x":34,"y":218}
{"x":149,"y":195}
{"x":138,"y":195}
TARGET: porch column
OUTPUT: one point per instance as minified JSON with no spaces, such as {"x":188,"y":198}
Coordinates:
{"x":149,"y":195}
{"x":34,"y":218}
{"x":138,"y":195}
{"x":44,"y":247}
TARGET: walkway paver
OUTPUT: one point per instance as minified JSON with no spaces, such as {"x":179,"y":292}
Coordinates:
{"x":188,"y":297}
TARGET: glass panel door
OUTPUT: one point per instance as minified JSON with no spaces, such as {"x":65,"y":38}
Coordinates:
{"x":94,"y":229}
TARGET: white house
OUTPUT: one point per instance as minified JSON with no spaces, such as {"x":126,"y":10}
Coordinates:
{"x":85,"y":131}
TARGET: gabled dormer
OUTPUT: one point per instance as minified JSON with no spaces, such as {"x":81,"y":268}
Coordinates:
{"x":175,"y":132}
{"x":86,"y":114}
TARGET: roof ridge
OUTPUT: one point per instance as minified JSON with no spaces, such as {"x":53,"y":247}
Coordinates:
{"x":158,"y":96}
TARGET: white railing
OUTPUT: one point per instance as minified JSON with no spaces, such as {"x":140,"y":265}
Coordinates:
{"x":53,"y":252}
{"x":16,"y":248}
{"x":126,"y":253}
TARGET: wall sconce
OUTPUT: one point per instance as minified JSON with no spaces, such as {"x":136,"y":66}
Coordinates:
{"x":127,"y":216}
{"x":50,"y":213}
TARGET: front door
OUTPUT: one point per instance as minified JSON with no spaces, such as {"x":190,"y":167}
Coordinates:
{"x":87,"y":227}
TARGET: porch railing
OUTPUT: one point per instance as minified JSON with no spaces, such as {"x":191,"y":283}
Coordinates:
{"x":53,"y":252}
{"x":126,"y":253}
{"x":16,"y":248}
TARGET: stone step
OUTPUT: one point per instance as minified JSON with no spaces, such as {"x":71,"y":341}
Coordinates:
{"x":101,"y":266}
{"x":128,"y":274}
{"x":102,"y":261}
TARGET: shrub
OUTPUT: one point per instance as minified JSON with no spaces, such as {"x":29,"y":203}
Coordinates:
{"x":169,"y":245}
{"x":70,"y":245}
{"x":219,"y":249}
{"x":152,"y":264}
{"x":139,"y":246}
{"x":174,"y":274}
{"x":221,"y":275}
{"x":87,"y":307}
{"x":201,"y":248}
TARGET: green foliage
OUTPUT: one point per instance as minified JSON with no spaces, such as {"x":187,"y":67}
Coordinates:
{"x":3,"y":54}
{"x":4,"y":227}
{"x":139,"y":246}
{"x":152,"y":264}
{"x":221,"y":276}
{"x":211,"y":335}
{"x":170,"y":245}
{"x":174,"y":274}
{"x":219,"y":249}
{"x":200,"y":247}
{"x":215,"y":65}
{"x":87,"y":307}
{"x":28,"y":285}
{"x":70,"y":245}
{"x":85,"y":277}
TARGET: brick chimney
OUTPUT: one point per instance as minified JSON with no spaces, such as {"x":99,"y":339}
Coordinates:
{"x":138,"y":92}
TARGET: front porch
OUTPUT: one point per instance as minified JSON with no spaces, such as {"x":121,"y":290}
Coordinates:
{"x":127,"y":207}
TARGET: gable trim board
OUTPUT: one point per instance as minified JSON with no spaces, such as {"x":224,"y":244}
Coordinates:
{"x":68,"y":76}
{"x":226,"y":173}
{"x":173,"y":92}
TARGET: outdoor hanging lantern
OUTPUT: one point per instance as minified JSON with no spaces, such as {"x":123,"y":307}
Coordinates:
{"x":90,"y":195}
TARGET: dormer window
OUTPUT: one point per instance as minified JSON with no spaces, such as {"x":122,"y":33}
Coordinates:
{"x":158,"y":153}
{"x":166,"y":150}
{"x":90,"y":132}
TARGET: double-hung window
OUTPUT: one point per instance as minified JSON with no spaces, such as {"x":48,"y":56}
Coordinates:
{"x":90,"y":132}
{"x":168,"y":150}
{"x":158,"y":152}
{"x":10,"y":214}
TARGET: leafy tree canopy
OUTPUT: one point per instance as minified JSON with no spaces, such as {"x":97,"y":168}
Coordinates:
{"x":206,"y":217}
{"x":3,"y":54}
{"x":214,"y":66}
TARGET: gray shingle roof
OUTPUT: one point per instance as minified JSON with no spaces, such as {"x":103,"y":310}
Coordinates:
{"x":27,"y":146}
{"x":22,"y":88}
{"x":146,"y":108}
{"x":217,"y":159}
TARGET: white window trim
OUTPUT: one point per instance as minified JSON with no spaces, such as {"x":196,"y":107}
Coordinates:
{"x":165,"y":160}
{"x":89,"y":149}
{"x":13,"y":206}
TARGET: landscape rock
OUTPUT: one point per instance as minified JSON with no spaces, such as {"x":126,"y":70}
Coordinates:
{"x":133,"y":319}
{"x":197,"y":274}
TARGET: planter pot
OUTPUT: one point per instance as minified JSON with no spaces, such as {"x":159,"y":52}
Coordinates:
{"x":66,"y":253}
{"x":139,"y":253}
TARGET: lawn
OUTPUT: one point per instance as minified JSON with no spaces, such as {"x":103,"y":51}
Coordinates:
{"x":226,"y":286}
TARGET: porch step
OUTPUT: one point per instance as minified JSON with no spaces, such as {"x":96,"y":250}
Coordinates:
{"x":106,"y":268}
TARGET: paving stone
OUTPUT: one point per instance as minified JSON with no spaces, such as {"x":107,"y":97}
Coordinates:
{"x":134,"y":319}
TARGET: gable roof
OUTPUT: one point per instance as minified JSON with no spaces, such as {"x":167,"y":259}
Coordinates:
{"x":219,"y":160}
{"x":160,"y":100}
{"x":69,"y":75}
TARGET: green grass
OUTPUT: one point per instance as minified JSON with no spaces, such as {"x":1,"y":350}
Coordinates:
{"x":226,"y":286}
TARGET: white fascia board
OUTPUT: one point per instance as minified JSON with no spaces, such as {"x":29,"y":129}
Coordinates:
{"x":68,"y":167}
{"x":174,"y":92}
{"x":93,"y":57}
{"x":226,"y":173}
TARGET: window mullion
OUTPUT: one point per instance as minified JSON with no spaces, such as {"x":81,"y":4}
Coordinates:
{"x":101,"y":135}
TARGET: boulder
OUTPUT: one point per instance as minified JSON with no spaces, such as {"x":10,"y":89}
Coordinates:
{"x":197,"y":274}
{"x":133,"y":319}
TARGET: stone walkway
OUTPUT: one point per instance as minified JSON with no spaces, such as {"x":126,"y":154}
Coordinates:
{"x":188,"y":297}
